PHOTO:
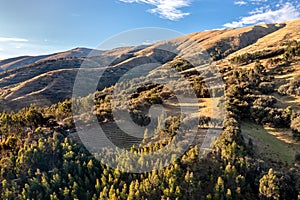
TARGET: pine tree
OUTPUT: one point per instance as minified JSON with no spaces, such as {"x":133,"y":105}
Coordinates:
{"x":131,"y":195}
{"x":219,"y":189}
{"x":269,"y":186}
{"x":228,"y":195}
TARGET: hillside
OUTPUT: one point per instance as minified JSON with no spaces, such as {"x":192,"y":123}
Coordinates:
{"x":276,"y":40}
{"x":218,"y":44}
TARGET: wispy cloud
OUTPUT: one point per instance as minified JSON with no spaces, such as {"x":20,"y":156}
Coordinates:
{"x":11,"y":39}
{"x":240,"y":3}
{"x":257,"y":2}
{"x":14,"y":50}
{"x":260,"y":10}
{"x":15,"y":46}
{"x":285,"y":12}
{"x":246,"y":2}
{"x":168,"y":9}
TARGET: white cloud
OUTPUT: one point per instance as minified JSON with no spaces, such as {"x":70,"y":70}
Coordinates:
{"x":168,"y":9}
{"x":246,"y":2}
{"x":286,"y":12}
{"x":10,"y":39}
{"x":240,"y":3}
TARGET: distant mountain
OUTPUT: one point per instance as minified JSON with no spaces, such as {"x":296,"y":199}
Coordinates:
{"x":17,"y":62}
{"x":44,"y":80}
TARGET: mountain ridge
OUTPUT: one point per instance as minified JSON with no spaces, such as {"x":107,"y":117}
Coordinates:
{"x":12,"y":63}
{"x":219,"y":45}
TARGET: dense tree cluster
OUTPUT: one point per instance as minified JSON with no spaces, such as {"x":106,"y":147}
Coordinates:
{"x":53,"y":167}
{"x":247,"y":91}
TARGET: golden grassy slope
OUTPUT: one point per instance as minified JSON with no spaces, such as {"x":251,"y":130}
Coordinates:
{"x":275,"y":40}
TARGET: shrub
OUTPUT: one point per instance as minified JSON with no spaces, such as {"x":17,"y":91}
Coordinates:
{"x":273,"y":117}
{"x":266,"y":87}
{"x":265,"y":101}
{"x":292,"y":88}
{"x":295,"y":125}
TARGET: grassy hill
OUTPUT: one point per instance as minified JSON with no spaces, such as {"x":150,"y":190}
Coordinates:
{"x":221,"y":45}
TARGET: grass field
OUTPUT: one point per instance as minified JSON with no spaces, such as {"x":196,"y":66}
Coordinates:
{"x":272,"y":145}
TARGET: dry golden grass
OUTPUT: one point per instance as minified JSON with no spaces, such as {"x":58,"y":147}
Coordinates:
{"x":273,"y":41}
{"x":208,"y":107}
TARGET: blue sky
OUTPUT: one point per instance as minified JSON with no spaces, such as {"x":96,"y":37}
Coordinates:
{"x":34,"y":27}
